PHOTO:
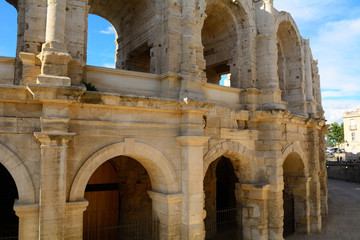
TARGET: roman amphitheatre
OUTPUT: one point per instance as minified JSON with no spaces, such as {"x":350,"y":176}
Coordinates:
{"x":161,"y":150}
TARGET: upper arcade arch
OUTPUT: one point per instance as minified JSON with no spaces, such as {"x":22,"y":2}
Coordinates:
{"x":162,"y":173}
{"x":240,"y":156}
{"x":286,"y":17}
{"x":135,"y":23}
{"x":100,"y":42}
{"x":290,"y":64}
{"x":19,"y":173}
{"x":224,"y":35}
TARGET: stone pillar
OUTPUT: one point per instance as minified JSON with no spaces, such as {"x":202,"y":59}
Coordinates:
{"x":314,"y":170}
{"x":301,"y":193}
{"x":74,"y":219}
{"x":192,"y":186}
{"x":28,"y":220}
{"x":54,"y":56}
{"x":53,"y":175}
{"x":167,"y":210}
{"x":309,"y":88}
{"x":308,"y":73}
{"x":323,"y":172}
{"x":191,"y":83}
{"x":267,"y":55}
{"x":255,"y":211}
{"x":53,"y":184}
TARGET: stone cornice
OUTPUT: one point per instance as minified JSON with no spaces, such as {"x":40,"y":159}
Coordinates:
{"x":49,"y":93}
{"x":52,"y":139}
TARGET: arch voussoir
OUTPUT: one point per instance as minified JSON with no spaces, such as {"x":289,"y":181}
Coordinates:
{"x":161,"y":171}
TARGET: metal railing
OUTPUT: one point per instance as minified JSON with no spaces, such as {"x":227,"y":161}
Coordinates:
{"x":139,"y":230}
{"x":224,"y":225}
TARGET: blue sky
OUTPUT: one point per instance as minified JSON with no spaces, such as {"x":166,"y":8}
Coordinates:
{"x":333,"y":27}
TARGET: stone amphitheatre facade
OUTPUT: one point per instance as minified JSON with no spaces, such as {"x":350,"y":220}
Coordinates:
{"x":161,"y":150}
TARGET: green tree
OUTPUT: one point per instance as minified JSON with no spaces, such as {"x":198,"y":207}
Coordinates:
{"x":335,"y":135}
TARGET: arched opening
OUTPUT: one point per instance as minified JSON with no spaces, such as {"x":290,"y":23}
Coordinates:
{"x":135,"y":24}
{"x":100,"y":42}
{"x":219,"y":37}
{"x":9,"y":222}
{"x":223,"y":213}
{"x":119,"y":205}
{"x":290,"y":66}
{"x":294,"y":194}
{"x":8,"y":39}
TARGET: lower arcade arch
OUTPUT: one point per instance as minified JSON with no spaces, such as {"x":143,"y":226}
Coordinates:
{"x":119,"y":204}
{"x":9,"y":222}
{"x":223,"y":211}
{"x":295,"y":195}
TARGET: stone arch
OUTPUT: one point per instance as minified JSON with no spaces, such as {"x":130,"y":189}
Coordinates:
{"x":295,"y":147}
{"x":286,"y":17}
{"x":234,"y":151}
{"x":224,"y":31}
{"x":290,"y":63}
{"x":135,"y":24}
{"x":162,"y":173}
{"x":20,"y":175}
{"x":296,"y":205}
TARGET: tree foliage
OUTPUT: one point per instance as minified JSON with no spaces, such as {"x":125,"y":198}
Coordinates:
{"x":335,"y":135}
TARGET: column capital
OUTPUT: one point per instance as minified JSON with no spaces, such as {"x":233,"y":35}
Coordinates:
{"x":166,"y":197}
{"x":52,"y":139}
{"x":192,"y":141}
{"x":257,"y":191}
{"x":76,"y":206}
{"x":26,"y":210}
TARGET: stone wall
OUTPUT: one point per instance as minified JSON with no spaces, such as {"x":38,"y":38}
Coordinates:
{"x":349,"y":173}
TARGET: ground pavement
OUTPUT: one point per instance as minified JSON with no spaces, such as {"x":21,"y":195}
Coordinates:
{"x":343,"y":221}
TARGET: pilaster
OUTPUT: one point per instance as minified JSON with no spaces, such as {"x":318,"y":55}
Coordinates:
{"x":192,"y":185}
{"x":74,"y":219}
{"x":267,"y":55}
{"x":53,"y":183}
{"x":255,"y":210}
{"x":28,"y":220}
{"x":301,"y":191}
{"x":167,"y":209}
{"x":314,"y":170}
{"x":192,"y":61}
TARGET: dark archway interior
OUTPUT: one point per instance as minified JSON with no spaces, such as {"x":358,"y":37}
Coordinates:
{"x":119,"y":205}
{"x":220,"y":202}
{"x":225,"y":185}
{"x":9,"y":222}
{"x":293,"y":169}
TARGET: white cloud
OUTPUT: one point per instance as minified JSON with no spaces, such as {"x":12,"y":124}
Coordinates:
{"x":334,"y":109}
{"x":109,"y":30}
{"x":109,"y":65}
{"x":337,"y":47}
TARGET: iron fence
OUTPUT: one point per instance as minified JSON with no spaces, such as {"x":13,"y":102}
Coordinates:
{"x":139,"y":230}
{"x":224,"y":225}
